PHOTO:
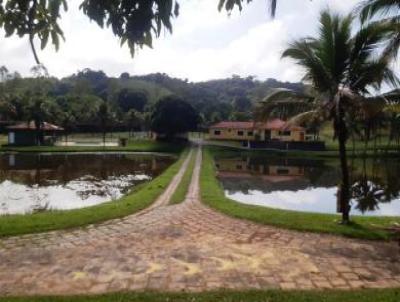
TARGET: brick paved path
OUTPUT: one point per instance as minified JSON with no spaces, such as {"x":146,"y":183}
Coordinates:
{"x":189,"y":247}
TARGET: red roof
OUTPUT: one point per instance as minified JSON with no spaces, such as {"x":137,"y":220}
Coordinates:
{"x":31,"y":126}
{"x":275,"y":124}
{"x":234,"y":125}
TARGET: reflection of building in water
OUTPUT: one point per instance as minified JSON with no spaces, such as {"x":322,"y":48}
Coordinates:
{"x":269,"y":174}
{"x":245,"y":167}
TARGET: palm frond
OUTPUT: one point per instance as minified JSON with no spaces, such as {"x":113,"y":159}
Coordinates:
{"x":366,"y":41}
{"x":283,"y":103}
{"x":370,"y":8}
{"x":333,"y":47}
{"x":373,"y":106}
{"x":372,"y":74}
{"x":304,"y":52}
{"x":305,"y":119}
{"x":280,"y":94}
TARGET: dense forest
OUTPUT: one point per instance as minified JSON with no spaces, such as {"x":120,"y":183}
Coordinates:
{"x":89,"y":100}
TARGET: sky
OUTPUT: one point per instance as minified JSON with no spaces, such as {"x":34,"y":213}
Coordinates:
{"x":205,"y":44}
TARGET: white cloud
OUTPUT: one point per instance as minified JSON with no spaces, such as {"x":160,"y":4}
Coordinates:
{"x":205,"y":44}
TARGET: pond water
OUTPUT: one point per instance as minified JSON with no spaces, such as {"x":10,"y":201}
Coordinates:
{"x":39,"y":182}
{"x":311,"y":185}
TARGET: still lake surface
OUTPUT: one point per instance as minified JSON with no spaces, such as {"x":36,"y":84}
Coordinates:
{"x":311,"y":185}
{"x":40,"y":182}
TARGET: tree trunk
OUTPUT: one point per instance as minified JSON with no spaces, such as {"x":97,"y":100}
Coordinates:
{"x":345,"y":184}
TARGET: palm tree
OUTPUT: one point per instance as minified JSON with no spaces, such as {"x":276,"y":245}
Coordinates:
{"x":341,"y":69}
{"x":389,"y":10}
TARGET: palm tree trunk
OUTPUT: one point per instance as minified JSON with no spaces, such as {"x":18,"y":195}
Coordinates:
{"x":344,"y":196}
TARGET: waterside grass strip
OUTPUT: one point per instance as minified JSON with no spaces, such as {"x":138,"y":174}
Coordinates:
{"x":139,"y":199}
{"x":212,"y":194}
{"x":134,"y":146}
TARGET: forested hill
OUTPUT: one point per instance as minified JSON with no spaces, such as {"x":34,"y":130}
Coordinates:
{"x":79,"y":95}
{"x":231,"y":98}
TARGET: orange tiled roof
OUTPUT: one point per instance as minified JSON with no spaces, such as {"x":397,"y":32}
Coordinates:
{"x":275,"y":124}
{"x":234,"y":125}
{"x":31,"y":126}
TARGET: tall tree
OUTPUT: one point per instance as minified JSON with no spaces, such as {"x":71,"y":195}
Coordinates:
{"x":172,"y":115}
{"x":104,"y":118}
{"x":341,"y":69}
{"x":38,"y":111}
{"x":135,"y":22}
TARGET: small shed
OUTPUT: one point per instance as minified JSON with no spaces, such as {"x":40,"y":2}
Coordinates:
{"x":26,"y":134}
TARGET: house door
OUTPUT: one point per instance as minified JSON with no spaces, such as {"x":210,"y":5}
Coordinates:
{"x":11,"y":138}
{"x":302,"y":136}
{"x":267,"y":135}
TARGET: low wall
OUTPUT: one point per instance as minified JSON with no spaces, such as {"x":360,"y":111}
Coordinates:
{"x":278,"y":145}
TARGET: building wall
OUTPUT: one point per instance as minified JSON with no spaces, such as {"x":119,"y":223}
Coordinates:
{"x":295,"y":135}
{"x":25,"y":138}
{"x":233,"y":134}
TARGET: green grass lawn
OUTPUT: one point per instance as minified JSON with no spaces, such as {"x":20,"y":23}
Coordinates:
{"x":3,"y":139}
{"x":140,"y":198}
{"x":133,"y":146}
{"x":183,"y":188}
{"x":212,"y":194}
{"x":387,"y":295}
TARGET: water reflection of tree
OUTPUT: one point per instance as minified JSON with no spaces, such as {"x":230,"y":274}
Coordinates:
{"x":379,"y":184}
{"x":374,"y":181}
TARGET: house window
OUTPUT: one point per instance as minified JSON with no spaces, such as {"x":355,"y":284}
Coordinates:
{"x":250,"y":133}
{"x":285,"y":133}
{"x":239,"y":167}
{"x":240,"y":133}
{"x":217,"y":132}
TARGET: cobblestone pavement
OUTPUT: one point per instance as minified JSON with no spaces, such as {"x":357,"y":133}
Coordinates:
{"x":190,"y":247}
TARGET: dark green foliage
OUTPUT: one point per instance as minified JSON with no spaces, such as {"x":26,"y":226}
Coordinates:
{"x":77,"y":98}
{"x":172,"y":115}
{"x":231,"y":4}
{"x":128,"y":99}
{"x":134,"y":22}
{"x":33,"y":18}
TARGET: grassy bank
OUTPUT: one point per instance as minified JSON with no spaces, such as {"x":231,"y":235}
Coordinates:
{"x":183,"y":188}
{"x":362,"y":227}
{"x":329,"y":153}
{"x":388,"y":295}
{"x":133,"y":146}
{"x":137,"y":200}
